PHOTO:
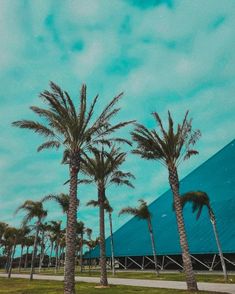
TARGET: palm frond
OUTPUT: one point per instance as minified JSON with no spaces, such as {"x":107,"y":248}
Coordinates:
{"x":93,"y":203}
{"x":35,"y":126}
{"x":49,"y":144}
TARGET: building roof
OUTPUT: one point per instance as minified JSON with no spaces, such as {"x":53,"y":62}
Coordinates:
{"x":216,"y":176}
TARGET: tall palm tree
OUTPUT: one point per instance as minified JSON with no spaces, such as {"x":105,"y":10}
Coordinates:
{"x":102,"y":168}
{"x":72,"y":127}
{"x":142,"y":212}
{"x":200,"y":199}
{"x":33,"y":209}
{"x":170,"y":147}
{"x":109,"y":210}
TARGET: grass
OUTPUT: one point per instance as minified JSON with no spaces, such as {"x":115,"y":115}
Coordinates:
{"x":22,"y":286}
{"x":211,"y":278}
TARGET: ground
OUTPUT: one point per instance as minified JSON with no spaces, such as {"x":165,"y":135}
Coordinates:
{"x":22,"y":286}
{"x":164,"y":276}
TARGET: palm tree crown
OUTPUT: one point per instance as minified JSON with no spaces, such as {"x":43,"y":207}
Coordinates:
{"x":103,"y":168}
{"x":66,"y":125}
{"x":141,"y":212}
{"x":171,"y":146}
{"x":33,"y":209}
{"x":199,"y":199}
{"x":62,"y":199}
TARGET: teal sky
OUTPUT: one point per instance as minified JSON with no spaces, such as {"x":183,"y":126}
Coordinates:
{"x":164,"y":54}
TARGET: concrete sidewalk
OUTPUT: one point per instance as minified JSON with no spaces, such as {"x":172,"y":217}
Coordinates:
{"x":213,"y":287}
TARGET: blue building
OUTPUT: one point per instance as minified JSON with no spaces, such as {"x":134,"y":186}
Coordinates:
{"x":216,"y":176}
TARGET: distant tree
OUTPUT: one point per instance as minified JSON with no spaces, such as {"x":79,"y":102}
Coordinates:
{"x":80,"y":230}
{"x":3,"y":227}
{"x":170,"y":147}
{"x":29,"y":241}
{"x":142,"y":212}
{"x":12,"y":238}
{"x":23,"y":232}
{"x":109,"y":210}
{"x":33,"y":209}
{"x":55,"y":229}
{"x":199,"y":200}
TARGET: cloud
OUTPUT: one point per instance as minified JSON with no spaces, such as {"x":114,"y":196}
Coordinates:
{"x":175,"y":55}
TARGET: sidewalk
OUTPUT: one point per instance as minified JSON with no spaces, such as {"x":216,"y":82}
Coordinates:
{"x":213,"y":287}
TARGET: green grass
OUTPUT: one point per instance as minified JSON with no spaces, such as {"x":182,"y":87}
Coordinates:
{"x":22,"y":286}
{"x":211,"y":278}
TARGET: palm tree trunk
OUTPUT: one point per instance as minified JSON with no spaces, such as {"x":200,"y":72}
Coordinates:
{"x":49,"y":261}
{"x":153,"y":245}
{"x":9,"y":251}
{"x":21,"y":253}
{"x":59,"y":258}
{"x":56,"y":257}
{"x":188,"y":268}
{"x":89,"y":261}
{"x":213,"y":222}
{"x":26,"y":257}
{"x":69,"y":275}
{"x":11,"y":261}
{"x":81,"y":253}
{"x":103,"y":269}
{"x":34,"y":250}
{"x":111,"y":242}
{"x":42,"y":251}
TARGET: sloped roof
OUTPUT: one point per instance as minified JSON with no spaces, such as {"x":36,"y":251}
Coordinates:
{"x":216,"y":176}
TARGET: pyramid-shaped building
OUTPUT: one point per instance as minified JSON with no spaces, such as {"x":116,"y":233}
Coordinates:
{"x":216,"y":176}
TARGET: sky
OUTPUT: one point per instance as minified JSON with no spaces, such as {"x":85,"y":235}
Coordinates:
{"x":172,"y":55}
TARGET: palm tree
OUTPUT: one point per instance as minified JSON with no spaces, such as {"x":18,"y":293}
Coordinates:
{"x":89,"y":233}
{"x":142,"y":212}
{"x":103,"y":170}
{"x":55,"y":230}
{"x":170,"y":147}
{"x":29,"y":241}
{"x":80,"y":229}
{"x":3,"y":227}
{"x":109,"y":210}
{"x":199,"y":200}
{"x":43,"y":229}
{"x":33,"y":209}
{"x":65,"y":124}
{"x":52,"y":239}
{"x":23,"y":232}
{"x":11,"y":236}
{"x":62,"y":248}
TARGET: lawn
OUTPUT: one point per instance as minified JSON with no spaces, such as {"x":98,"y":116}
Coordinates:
{"x":22,"y":286}
{"x":213,"y":278}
